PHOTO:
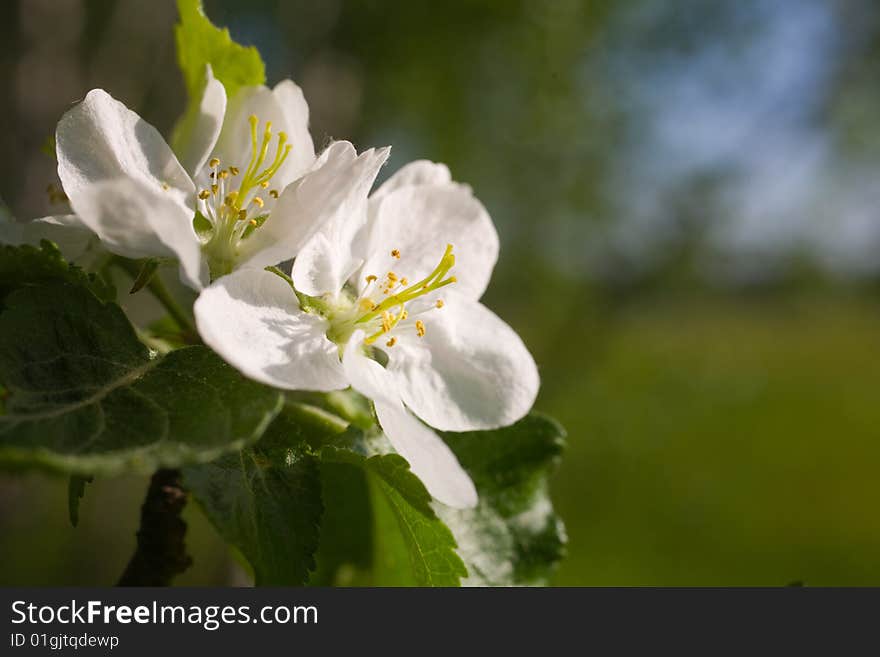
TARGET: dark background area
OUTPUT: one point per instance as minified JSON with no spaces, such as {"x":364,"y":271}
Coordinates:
{"x":688,"y":198}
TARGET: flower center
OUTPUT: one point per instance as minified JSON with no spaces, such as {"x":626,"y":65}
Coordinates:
{"x":232,"y":205}
{"x":390,"y":307}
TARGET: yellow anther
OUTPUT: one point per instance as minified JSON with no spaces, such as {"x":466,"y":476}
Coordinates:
{"x":224,"y":174}
{"x":253,"y":222}
{"x":420,"y":328}
{"x":264,"y":184}
{"x":387,"y":321}
{"x":439,"y":303}
{"x":233,"y":171}
{"x":391,"y":342}
{"x":366,"y":304}
{"x":230,"y":199}
{"x":257,"y":201}
{"x":395,"y":254}
{"x":273,"y":193}
{"x":370,"y":279}
{"x":392,"y":277}
{"x":214,"y":189}
{"x":214,"y":162}
{"x":403,"y":315}
{"x":242,"y":214}
{"x":404,"y":282}
{"x":204,"y":194}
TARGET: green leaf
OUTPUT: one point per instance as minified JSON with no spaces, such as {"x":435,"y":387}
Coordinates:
{"x":199,"y":42}
{"x":513,"y":537}
{"x":27,"y":266}
{"x":411,"y":545}
{"x":76,"y":488}
{"x":266,"y":501}
{"x":85,"y":397}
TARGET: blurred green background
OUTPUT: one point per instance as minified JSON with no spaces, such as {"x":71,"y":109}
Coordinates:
{"x":688,"y":197}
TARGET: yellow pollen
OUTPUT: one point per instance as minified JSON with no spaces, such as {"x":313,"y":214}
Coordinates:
{"x":253,"y":222}
{"x":404,"y":282}
{"x":392,"y":277}
{"x":404,"y":315}
{"x":273,"y":193}
{"x":233,"y":171}
{"x":204,"y":194}
{"x":395,"y":254}
{"x":214,"y":189}
{"x":242,"y":214}
{"x":264,"y":184}
{"x":387,"y":321}
{"x":439,"y":303}
{"x":230,"y":198}
{"x":214,"y":163}
{"x":391,"y":342}
{"x":257,"y":201}
{"x":420,"y":328}
{"x":224,"y":174}
{"x":370,"y":279}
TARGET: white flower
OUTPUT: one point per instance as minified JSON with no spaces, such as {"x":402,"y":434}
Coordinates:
{"x":388,"y":304}
{"x":249,"y":168}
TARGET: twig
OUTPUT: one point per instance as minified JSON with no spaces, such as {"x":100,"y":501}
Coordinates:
{"x":161,"y":549}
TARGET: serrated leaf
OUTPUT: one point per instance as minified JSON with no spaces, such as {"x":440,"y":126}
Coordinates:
{"x":513,"y":536}
{"x":200,"y":42}
{"x":266,"y":501}
{"x":76,"y":488}
{"x":86,"y":397}
{"x":411,"y":545}
{"x":27,"y":266}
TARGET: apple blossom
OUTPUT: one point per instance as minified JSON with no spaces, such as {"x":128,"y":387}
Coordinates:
{"x":385,"y":298}
{"x":246,"y":189}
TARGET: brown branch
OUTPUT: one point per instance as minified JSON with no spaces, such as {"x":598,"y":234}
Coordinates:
{"x":161,"y":548}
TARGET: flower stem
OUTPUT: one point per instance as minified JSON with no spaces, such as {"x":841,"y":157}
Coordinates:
{"x":157,"y":287}
{"x":162,"y":295}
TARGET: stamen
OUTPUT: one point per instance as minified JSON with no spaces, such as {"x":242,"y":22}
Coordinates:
{"x":273,"y":193}
{"x":257,"y":201}
{"x":420,"y":328}
{"x":204,"y":194}
{"x":371,"y":278}
{"x":439,"y":303}
{"x":242,"y":214}
{"x":253,"y":222}
{"x":214,"y":163}
{"x":233,"y":171}
{"x":391,"y":342}
{"x":395,"y":254}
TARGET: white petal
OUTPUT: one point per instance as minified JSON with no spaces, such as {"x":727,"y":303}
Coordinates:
{"x":470,"y":371}
{"x":252,"y":319}
{"x":67,"y":231}
{"x":195,"y":137}
{"x":418,"y":172}
{"x":296,"y":113}
{"x":234,"y":147}
{"x":136,"y":220}
{"x":428,"y":456}
{"x":419,"y":221}
{"x":333,"y":198}
{"x":101,"y":139}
